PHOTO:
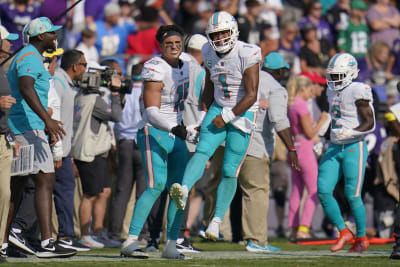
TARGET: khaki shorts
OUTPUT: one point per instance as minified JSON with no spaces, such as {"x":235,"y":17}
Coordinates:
{"x":43,"y":159}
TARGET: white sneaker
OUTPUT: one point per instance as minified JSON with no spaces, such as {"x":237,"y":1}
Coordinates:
{"x":170,"y":252}
{"x":179,"y":194}
{"x":131,"y":249}
{"x":212,"y":231}
{"x":90,"y":242}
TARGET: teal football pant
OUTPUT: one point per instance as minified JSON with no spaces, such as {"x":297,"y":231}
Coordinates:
{"x":164,"y":161}
{"x":236,"y":145}
{"x":347,"y":161}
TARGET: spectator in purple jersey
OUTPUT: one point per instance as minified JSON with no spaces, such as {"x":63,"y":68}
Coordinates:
{"x":313,"y":16}
{"x":15,"y":15}
{"x":94,"y":10}
{"x":289,"y":46}
{"x":384,"y":21}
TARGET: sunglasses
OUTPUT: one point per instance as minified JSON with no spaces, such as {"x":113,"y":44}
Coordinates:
{"x":82,"y":64}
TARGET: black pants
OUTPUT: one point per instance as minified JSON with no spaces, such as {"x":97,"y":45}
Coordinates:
{"x":130,"y":170}
{"x":25,"y":213}
{"x":396,"y":158}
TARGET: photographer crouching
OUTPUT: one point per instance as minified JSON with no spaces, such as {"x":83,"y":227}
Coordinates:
{"x":90,"y":146}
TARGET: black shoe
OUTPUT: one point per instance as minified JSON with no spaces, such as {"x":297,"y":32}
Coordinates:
{"x":280,"y":232}
{"x":184,"y":245}
{"x":3,"y":255}
{"x":396,"y":252}
{"x":14,"y":252}
{"x":53,"y":250}
{"x":72,"y":244}
{"x":18,"y":240}
{"x":152,"y":245}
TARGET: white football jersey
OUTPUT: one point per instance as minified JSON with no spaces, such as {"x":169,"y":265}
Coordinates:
{"x":175,"y":90}
{"x":344,"y":110}
{"x":227,"y":72}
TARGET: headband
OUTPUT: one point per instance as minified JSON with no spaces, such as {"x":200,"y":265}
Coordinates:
{"x":169,"y":34}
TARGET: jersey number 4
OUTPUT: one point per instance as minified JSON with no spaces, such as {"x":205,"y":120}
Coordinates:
{"x":224,"y":84}
{"x":335,"y":110}
{"x":182,"y":92}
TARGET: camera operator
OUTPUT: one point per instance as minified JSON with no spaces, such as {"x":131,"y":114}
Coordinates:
{"x":130,"y":168}
{"x":6,"y":139}
{"x":73,"y":65}
{"x":90,"y":146}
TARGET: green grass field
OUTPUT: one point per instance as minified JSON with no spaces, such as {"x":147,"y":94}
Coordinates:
{"x":228,"y":254}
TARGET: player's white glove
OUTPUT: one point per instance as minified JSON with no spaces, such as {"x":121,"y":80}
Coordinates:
{"x":192,"y":134}
{"x":343,"y":134}
{"x":318,"y":147}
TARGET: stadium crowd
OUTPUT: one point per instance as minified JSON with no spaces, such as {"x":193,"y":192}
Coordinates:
{"x":85,"y":122}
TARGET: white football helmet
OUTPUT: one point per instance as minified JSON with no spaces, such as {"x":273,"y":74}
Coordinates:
{"x":222,"y":21}
{"x":342,"y":70}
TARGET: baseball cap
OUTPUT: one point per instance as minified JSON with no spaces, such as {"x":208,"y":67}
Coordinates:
{"x":41,"y":25}
{"x":314,"y":77}
{"x":5,"y":35}
{"x":274,"y":61}
{"x":197,"y":41}
{"x":112,"y":9}
{"x":358,"y":4}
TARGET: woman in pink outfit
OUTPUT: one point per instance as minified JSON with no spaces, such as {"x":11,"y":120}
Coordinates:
{"x":305,"y":131}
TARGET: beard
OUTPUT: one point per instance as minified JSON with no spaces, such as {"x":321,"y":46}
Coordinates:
{"x":52,"y":47}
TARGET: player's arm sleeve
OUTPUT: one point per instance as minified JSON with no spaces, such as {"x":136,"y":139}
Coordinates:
{"x":278,"y":109}
{"x":154,"y":117}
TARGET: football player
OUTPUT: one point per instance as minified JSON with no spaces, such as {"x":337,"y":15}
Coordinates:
{"x":353,"y":117}
{"x":162,"y":138}
{"x":230,"y":99}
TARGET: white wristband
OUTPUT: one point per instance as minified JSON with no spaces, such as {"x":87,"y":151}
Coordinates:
{"x":227,"y":115}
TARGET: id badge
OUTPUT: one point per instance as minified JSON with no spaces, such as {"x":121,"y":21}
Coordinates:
{"x":10,"y":139}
